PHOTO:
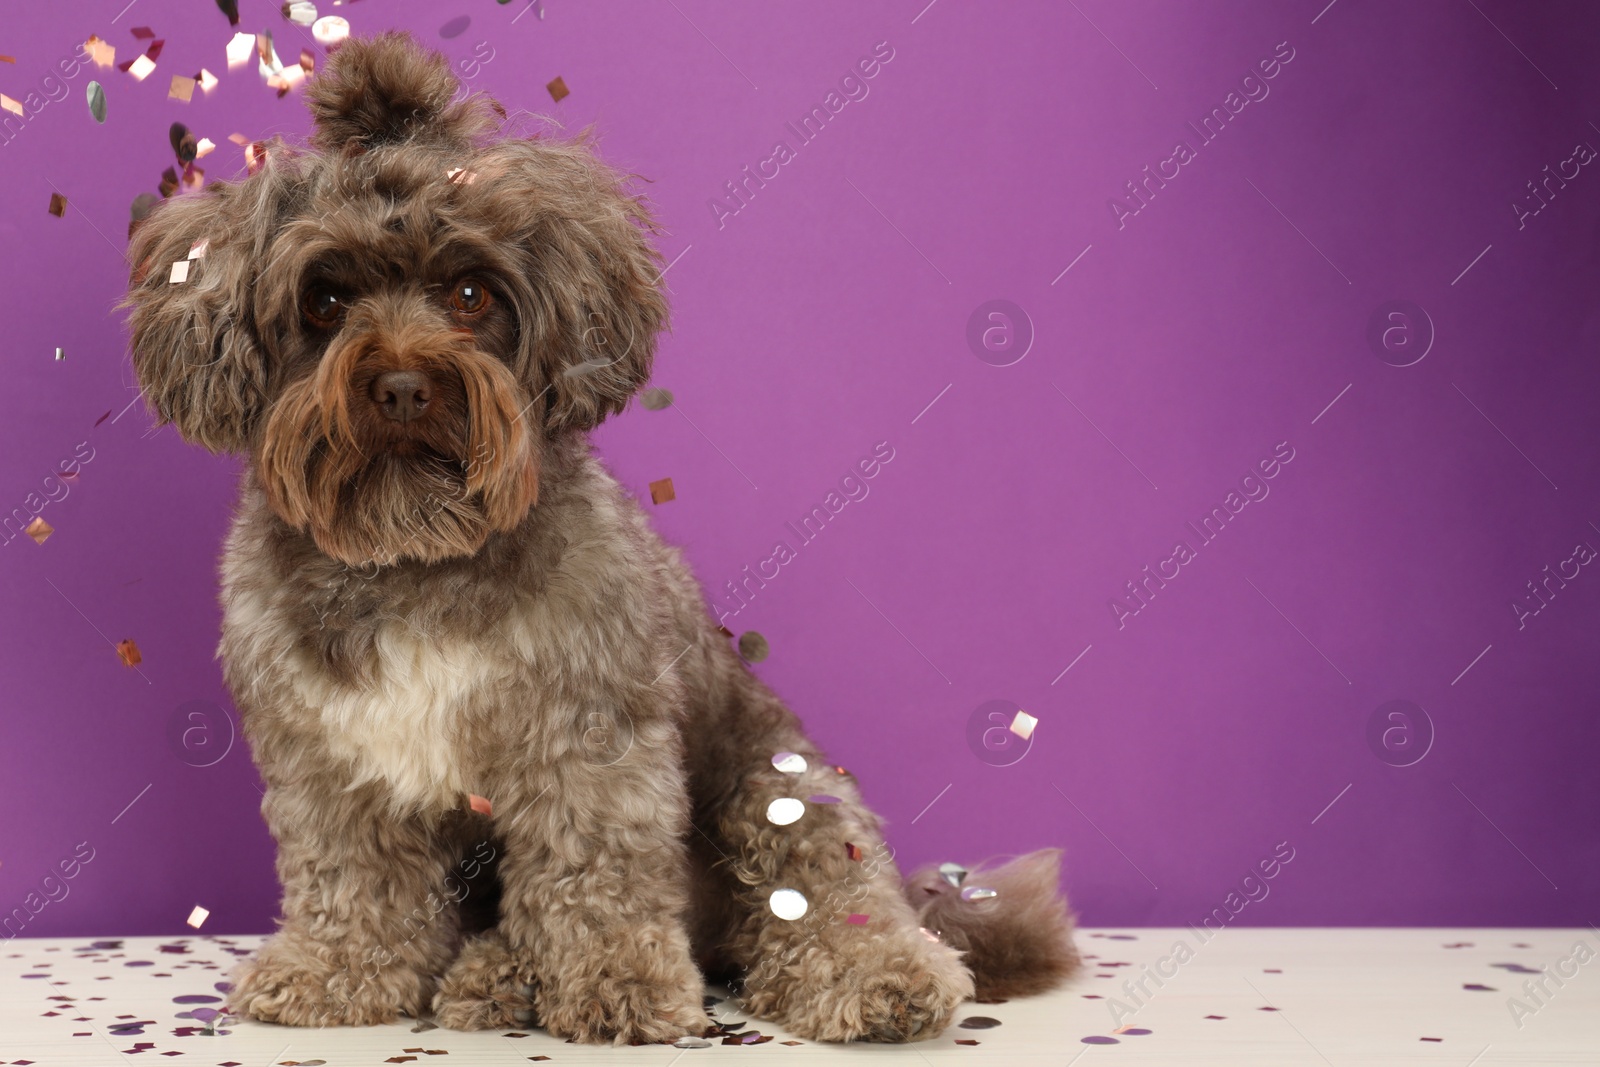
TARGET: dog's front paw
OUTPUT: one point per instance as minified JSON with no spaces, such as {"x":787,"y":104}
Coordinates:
{"x":630,"y":996}
{"x":895,"y":986}
{"x":488,"y":987}
{"x":297,"y":982}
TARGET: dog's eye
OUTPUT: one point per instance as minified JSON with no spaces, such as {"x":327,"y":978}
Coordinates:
{"x":470,"y":297}
{"x":323,"y":307}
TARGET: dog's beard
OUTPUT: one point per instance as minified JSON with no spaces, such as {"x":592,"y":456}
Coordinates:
{"x":370,"y":491}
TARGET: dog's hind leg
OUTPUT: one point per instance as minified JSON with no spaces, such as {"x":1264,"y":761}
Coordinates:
{"x":829,"y":947}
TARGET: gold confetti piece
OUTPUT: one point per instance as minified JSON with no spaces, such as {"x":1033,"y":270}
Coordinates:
{"x":1022,"y":724}
{"x":661,"y":491}
{"x":180,"y":272}
{"x":8,"y":59}
{"x":240,"y":48}
{"x":656,"y":399}
{"x":103,"y":54}
{"x":206,"y":80}
{"x":58,"y":205}
{"x":204,"y":147}
{"x":182,"y":88}
{"x":753,"y":647}
{"x":198,"y":249}
{"x":198,"y":916}
{"x":11,"y":105}
{"x":481,"y":805}
{"x":461,"y":176}
{"x":128,"y":652}
{"x":39,"y":530}
{"x":96,"y":95}
{"x":239,"y":139}
{"x":330,"y":30}
{"x":558,"y":89}
{"x":141,"y":68}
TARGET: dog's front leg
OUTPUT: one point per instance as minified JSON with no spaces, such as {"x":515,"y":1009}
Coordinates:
{"x":367,"y":916}
{"x":594,"y":888}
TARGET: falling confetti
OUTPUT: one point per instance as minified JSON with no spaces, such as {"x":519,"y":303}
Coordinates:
{"x":455,"y":27}
{"x":230,"y":8}
{"x":558,"y":89}
{"x":141,"y":68}
{"x":13,"y":106}
{"x":661,"y":491}
{"x":97,"y":101}
{"x":300,"y":12}
{"x":128,"y":652}
{"x":103,"y":54}
{"x":480,"y":805}
{"x":182,"y":88}
{"x":196,"y":919}
{"x":753,"y":647}
{"x":58,"y":205}
{"x":330,"y":30}
{"x":1022,"y":724}
{"x":789,"y":904}
{"x":39,"y":530}
{"x":240,"y":48}
{"x":691,"y":1042}
{"x":183,"y":142}
{"x":785,"y":810}
{"x":953,"y":873}
{"x":208,"y":81}
{"x":61,"y":354}
{"x":790,"y":763}
{"x":656,"y":399}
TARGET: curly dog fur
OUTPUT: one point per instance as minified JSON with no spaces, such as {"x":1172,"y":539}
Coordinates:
{"x":433,"y":590}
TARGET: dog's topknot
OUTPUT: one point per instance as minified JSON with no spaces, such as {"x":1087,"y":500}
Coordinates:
{"x":388,"y":88}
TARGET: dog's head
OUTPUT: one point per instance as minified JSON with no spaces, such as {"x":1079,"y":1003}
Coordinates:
{"x":393,"y":320}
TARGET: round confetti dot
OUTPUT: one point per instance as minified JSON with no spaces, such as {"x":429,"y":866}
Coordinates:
{"x":788,"y":904}
{"x":1133,"y":1032}
{"x":455,"y":27}
{"x":1099,"y":1039}
{"x":785,"y":810}
{"x":330,"y":30}
{"x":753,"y":648}
{"x":656,"y":399}
{"x":790,"y":762}
{"x":979,"y":1022}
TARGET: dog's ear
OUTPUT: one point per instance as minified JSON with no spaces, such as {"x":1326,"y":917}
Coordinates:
{"x":590,"y":305}
{"x":387,"y":89}
{"x":195,"y":350}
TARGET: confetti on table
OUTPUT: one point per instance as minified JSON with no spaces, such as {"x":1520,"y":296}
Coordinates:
{"x":1216,"y":1016}
{"x":180,"y":272}
{"x":558,"y":89}
{"x":1098,"y":1039}
{"x":656,"y":399}
{"x":330,"y":30}
{"x":978,"y":1022}
{"x":1022,"y":724}
{"x":479,"y":804}
{"x":39,"y":530}
{"x":197,"y":917}
{"x":1430,"y":1039}
{"x":966,"y":1041}
{"x":182,"y":88}
{"x":141,"y":68}
{"x":58,"y":205}
{"x":1130,"y":1031}
{"x":789,"y":762}
{"x":1479,"y":987}
{"x":128,"y":652}
{"x":13,"y":106}
{"x":96,"y":95}
{"x":753,"y":647}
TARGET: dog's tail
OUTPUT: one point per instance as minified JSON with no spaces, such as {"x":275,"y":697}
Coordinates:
{"x":1011,"y":921}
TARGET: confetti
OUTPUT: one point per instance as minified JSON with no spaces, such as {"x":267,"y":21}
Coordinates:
{"x":953,"y":873}
{"x":1098,"y":1039}
{"x":11,"y":105}
{"x":182,"y":88}
{"x":656,"y":399}
{"x":61,"y":354}
{"x":1477,"y":987}
{"x":857,"y":919}
{"x":240,"y":49}
{"x":97,"y":101}
{"x":1216,"y":1016}
{"x":196,"y":918}
{"x":208,"y":81}
{"x":785,"y":810}
{"x":1430,"y":1039}
{"x":966,"y":1041}
{"x":143,"y":33}
{"x":558,"y":89}
{"x":300,"y":12}
{"x":852,"y":851}
{"x":929,"y":934}
{"x":753,"y":647}
{"x":462,"y":176}
{"x":455,"y":27}
{"x":691,"y":1042}
{"x":789,"y":904}
{"x":978,"y":1022}
{"x":140,"y":68}
{"x":8,"y":59}
{"x":183,"y":142}
{"x":479,"y":804}
{"x":661,"y":491}
{"x":128,"y":652}
{"x":39,"y":530}
{"x":330,"y":30}
{"x":1022,"y":724}
{"x":789,"y":762}
{"x":180,"y":272}
{"x":204,"y":147}
{"x":198,"y":249}
{"x":58,"y":205}
{"x":230,"y":8}
{"x":977,"y":892}
{"x":1130,"y":1031}
{"x":103,"y":54}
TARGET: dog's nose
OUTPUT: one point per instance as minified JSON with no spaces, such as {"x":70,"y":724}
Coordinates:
{"x":402,"y":395}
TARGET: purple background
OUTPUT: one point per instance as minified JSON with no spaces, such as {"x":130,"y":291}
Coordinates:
{"x":826,"y":316}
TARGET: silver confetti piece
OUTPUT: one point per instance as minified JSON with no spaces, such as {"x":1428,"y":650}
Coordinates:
{"x":785,"y":810}
{"x":977,"y":892}
{"x":789,"y":762}
{"x":97,"y":101}
{"x":788,"y":904}
{"x":953,"y":873}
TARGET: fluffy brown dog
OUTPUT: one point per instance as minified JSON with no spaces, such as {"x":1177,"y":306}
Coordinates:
{"x":433,"y":590}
